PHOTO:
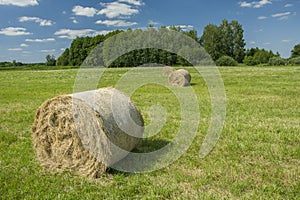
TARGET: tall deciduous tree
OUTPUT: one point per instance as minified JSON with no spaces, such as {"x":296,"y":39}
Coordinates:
{"x":238,"y":41}
{"x":296,"y":51}
{"x":63,"y":60}
{"x":50,"y":60}
{"x":224,"y":40}
{"x":211,"y":41}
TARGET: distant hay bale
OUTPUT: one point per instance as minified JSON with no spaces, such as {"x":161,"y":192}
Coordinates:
{"x":84,"y":132}
{"x":180,"y":78}
{"x":166,"y":71}
{"x":186,"y":74}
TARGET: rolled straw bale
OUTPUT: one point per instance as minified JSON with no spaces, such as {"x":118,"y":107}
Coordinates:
{"x":166,"y":71}
{"x":186,"y":74}
{"x":86,"y":132}
{"x":176,"y":78}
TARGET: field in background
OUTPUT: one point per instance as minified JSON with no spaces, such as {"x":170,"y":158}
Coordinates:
{"x":257,"y":156}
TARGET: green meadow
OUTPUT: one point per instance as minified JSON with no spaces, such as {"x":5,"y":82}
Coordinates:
{"x":256,"y":157}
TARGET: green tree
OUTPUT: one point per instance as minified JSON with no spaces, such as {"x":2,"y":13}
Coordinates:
{"x":63,"y":60}
{"x":224,"y":40}
{"x":296,"y":51}
{"x":226,"y":61}
{"x":211,"y":41}
{"x":50,"y":60}
{"x":256,"y":56}
{"x":238,"y":51}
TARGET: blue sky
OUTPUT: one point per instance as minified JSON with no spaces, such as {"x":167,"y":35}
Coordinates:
{"x":31,"y":29}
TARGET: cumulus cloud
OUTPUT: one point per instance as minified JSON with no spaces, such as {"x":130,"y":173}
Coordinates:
{"x":14,"y":31}
{"x":116,"y":23}
{"x":21,"y":3}
{"x":72,"y":34}
{"x":254,"y":4}
{"x":84,"y":11}
{"x":15,"y":49}
{"x":40,"y":40}
{"x":117,"y":9}
{"x":42,"y":22}
{"x":134,"y":2}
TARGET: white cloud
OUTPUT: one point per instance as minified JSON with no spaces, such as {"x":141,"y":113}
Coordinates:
{"x":153,"y":22}
{"x":15,"y":49}
{"x":116,"y":9}
{"x":21,"y":3}
{"x":282,"y":16}
{"x":42,"y":22}
{"x":74,"y":20}
{"x":286,"y":41}
{"x":40,"y":40}
{"x":72,"y":34}
{"x":262,"y":17}
{"x":14,"y":31}
{"x":245,"y":4}
{"x":252,"y":42}
{"x":184,"y":27}
{"x":116,"y":23}
{"x":134,"y":2}
{"x":24,"y":45}
{"x":48,"y":51}
{"x":254,"y":4}
{"x":84,"y":11}
{"x":267,"y":43}
{"x":288,"y":5}
{"x":259,"y":30}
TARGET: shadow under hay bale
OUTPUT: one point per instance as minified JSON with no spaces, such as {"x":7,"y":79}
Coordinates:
{"x":86,"y":132}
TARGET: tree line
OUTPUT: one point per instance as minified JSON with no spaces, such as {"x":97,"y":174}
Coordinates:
{"x":224,"y":43}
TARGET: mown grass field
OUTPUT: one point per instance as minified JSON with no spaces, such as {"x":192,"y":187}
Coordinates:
{"x":257,"y":156}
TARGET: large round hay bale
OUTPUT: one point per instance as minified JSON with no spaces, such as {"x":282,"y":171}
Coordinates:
{"x":186,"y":74}
{"x":176,"y":78}
{"x":86,"y":132}
{"x":166,"y":71}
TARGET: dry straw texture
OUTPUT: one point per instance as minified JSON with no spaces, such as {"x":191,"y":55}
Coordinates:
{"x":186,"y":74}
{"x":180,"y":78}
{"x":84,"y":132}
{"x":167,"y":71}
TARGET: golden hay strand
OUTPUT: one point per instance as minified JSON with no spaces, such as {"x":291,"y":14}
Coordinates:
{"x":70,"y":133}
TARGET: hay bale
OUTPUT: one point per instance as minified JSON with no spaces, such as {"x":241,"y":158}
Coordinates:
{"x":84,"y":132}
{"x":180,"y":78}
{"x":186,"y":74}
{"x":166,"y":71}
